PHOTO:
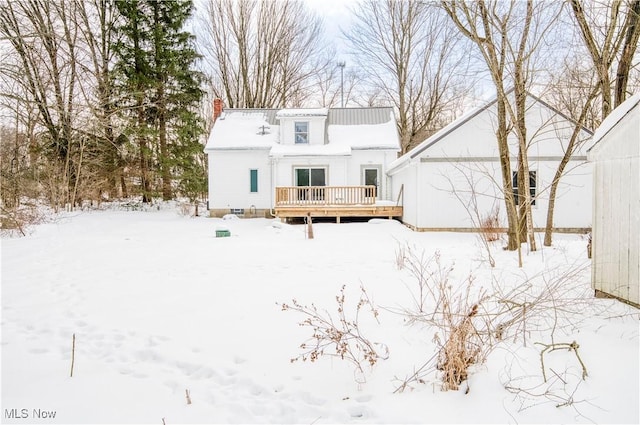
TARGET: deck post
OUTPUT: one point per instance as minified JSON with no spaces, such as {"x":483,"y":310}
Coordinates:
{"x":309,"y":226}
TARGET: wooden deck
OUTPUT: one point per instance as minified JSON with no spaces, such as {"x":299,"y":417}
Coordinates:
{"x":333,"y":201}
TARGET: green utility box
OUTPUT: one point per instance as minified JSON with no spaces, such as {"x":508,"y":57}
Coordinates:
{"x":222,"y":233}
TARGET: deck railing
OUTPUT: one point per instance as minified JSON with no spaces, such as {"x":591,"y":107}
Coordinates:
{"x":326,"y":195}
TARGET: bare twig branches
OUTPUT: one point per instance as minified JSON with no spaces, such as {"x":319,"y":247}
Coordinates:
{"x":469,"y":322}
{"x":339,"y":336}
{"x":548,"y":348}
{"x":263,"y":54}
{"x":414,"y":60}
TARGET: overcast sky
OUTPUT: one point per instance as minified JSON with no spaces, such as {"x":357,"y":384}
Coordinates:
{"x":335,"y":14}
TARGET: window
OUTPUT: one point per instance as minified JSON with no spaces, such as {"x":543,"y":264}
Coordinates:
{"x":310,"y":177}
{"x":301,"y":132}
{"x":533,"y":179}
{"x":253,"y":177}
{"x":308,"y":180}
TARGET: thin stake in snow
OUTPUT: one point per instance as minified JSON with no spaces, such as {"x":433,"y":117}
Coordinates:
{"x":188,"y":397}
{"x":73,"y":353}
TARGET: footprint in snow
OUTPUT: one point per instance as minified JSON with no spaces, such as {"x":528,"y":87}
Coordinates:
{"x":357,"y":412}
{"x":255,"y":390}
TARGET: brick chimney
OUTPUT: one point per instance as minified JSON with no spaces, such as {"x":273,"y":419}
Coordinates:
{"x":217,"y":108}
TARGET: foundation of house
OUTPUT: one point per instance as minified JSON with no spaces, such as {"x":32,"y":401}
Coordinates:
{"x":241,"y":212}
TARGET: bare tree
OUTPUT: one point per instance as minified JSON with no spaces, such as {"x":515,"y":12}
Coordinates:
{"x":95,"y":20}
{"x":610,"y":33}
{"x":501,"y":32}
{"x":261,"y":54}
{"x":414,"y":58}
{"x":509,"y":36}
{"x":629,"y":49}
{"x":573,"y":89}
{"x":45,"y":43}
{"x":335,"y":87}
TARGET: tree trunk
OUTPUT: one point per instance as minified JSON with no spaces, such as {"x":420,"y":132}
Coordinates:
{"x":571,"y":147}
{"x":164,"y":152}
{"x":513,"y":237}
{"x":144,"y":157}
{"x":602,"y":57}
{"x":628,"y":51}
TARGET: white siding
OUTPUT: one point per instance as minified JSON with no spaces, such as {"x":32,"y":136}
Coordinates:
{"x":405,"y":180}
{"x":335,"y":166}
{"x":372,"y":158}
{"x":447,"y":190}
{"x":229,"y":179}
{"x":616,"y":210}
{"x":341,"y":170}
{"x":449,"y":169}
{"x":244,"y":140}
{"x":316,"y":129}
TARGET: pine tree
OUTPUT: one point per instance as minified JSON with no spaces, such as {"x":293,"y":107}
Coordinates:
{"x":161,"y":90}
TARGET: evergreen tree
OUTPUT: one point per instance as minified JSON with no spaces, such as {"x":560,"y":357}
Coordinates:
{"x":161,"y":90}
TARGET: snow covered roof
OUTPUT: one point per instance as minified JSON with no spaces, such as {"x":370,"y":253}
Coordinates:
{"x":242,"y":130}
{"x":615,"y":117}
{"x":457,"y":123}
{"x":346,"y":129}
{"x":365,"y":136}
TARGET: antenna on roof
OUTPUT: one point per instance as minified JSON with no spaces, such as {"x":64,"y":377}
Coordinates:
{"x":264,"y":129}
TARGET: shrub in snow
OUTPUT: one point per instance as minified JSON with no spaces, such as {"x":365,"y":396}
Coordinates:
{"x":19,"y":218}
{"x":460,"y":337}
{"x":469,"y":322}
{"x":451,"y":309}
{"x":339,"y":336}
{"x":490,"y":227}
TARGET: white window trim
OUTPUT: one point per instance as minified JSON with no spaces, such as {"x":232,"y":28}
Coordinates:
{"x":295,"y":133}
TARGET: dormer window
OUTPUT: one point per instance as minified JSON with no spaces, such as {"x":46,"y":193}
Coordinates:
{"x":301,"y":132}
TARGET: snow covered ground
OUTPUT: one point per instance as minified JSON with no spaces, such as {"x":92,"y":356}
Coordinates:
{"x":159,"y":306}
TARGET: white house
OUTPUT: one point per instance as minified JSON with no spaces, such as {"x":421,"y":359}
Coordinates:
{"x":453,"y":180}
{"x":615,"y":268}
{"x":291,"y":162}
